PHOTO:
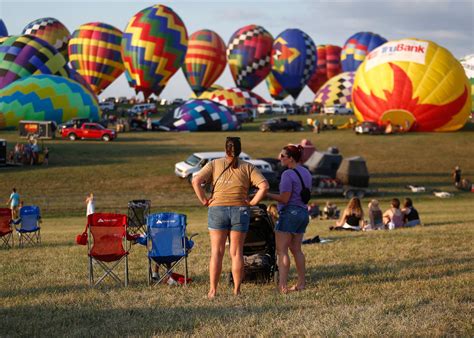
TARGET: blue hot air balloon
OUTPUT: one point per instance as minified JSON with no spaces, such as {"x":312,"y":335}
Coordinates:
{"x":294,"y":60}
{"x":3,"y":29}
{"x":357,"y":47}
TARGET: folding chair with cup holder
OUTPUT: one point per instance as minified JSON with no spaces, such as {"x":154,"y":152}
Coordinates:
{"x":138,"y":211}
{"x":167,"y":244}
{"x":29,"y":232}
{"x":106,"y":245}
{"x":6,"y":228}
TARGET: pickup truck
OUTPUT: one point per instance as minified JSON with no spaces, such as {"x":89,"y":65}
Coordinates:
{"x":88,"y":131}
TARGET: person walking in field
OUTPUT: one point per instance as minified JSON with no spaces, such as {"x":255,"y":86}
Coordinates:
{"x":229,"y":212}
{"x":14,"y":202}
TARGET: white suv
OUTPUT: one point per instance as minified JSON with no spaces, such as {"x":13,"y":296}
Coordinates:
{"x":337,"y":109}
{"x":141,"y":107}
{"x":106,"y":106}
{"x":196,"y":161}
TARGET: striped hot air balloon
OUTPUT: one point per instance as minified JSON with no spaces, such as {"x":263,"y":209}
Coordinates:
{"x":249,"y":56}
{"x":154,"y":45}
{"x":205,"y":60}
{"x":95,"y":52}
{"x":26,"y":55}
{"x":415,"y":84}
{"x":329,"y":65}
{"x":52,"y":31}
{"x":45,"y":98}
{"x":356,"y":49}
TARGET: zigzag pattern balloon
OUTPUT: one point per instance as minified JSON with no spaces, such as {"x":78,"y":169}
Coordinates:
{"x":27,"y":55}
{"x":235,"y":97}
{"x":44,"y":98}
{"x":337,"y":90}
{"x":249,"y":56}
{"x":154,"y":45}
{"x":205,"y":60}
{"x":95,"y":52}
{"x":52,"y":31}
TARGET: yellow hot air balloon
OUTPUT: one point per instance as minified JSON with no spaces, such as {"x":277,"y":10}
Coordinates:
{"x":413,"y":83}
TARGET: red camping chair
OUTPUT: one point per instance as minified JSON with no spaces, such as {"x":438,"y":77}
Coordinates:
{"x":106,"y":242}
{"x":6,"y":229}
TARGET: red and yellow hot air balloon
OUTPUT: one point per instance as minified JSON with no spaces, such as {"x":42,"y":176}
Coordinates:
{"x":205,"y":60}
{"x":329,"y":65}
{"x":413,"y":83}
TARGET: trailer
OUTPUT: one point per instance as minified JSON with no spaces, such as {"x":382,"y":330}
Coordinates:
{"x":37,"y":129}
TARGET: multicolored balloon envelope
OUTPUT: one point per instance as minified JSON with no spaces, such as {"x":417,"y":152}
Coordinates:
{"x":416,"y":84}
{"x":249,"y":56}
{"x":275,"y":89}
{"x":329,"y":65}
{"x":95,"y":52}
{"x":294,"y":60}
{"x":205,"y":60}
{"x":337,"y":90}
{"x":52,"y":31}
{"x":26,"y":55}
{"x":3,"y":29}
{"x":208,"y":93}
{"x":234,"y":97}
{"x":200,"y":115}
{"x":468,"y":64}
{"x":356,"y":49}
{"x":45,"y":98}
{"x":154,"y":45}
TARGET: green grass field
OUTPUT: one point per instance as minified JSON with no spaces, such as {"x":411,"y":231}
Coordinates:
{"x":405,"y":282}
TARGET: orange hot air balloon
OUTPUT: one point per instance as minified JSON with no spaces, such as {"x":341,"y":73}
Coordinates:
{"x":413,"y":83}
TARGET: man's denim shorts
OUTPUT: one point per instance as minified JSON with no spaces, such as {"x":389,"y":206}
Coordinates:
{"x":229,"y":218}
{"x":292,"y":219}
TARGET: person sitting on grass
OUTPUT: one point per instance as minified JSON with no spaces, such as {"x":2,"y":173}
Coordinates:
{"x":393,"y":217}
{"x":375,"y":216}
{"x":410,"y":214}
{"x":352,"y":218}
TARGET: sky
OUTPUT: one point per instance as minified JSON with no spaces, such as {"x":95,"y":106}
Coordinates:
{"x":448,"y":23}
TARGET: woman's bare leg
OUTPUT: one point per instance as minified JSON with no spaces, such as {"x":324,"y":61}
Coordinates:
{"x":295,"y":248}
{"x":218,"y":238}
{"x":237,"y":239}
{"x":283,"y":240}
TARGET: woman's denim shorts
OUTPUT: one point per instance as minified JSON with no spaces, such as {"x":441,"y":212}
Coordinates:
{"x":292,"y":219}
{"x":229,"y":218}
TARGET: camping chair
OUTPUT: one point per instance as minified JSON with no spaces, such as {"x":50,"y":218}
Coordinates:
{"x":6,"y":229}
{"x":106,"y":241}
{"x":167,"y":243}
{"x":138,"y":211}
{"x":29,"y":231}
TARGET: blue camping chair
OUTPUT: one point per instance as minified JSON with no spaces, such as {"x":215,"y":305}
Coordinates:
{"x":167,"y":243}
{"x":29,"y":231}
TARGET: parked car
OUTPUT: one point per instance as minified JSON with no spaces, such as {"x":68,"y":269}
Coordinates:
{"x":106,"y":106}
{"x":243,"y":114}
{"x":177,"y":101}
{"x":122,"y":100}
{"x":110,"y":99}
{"x":196,"y":161}
{"x":281,"y":124}
{"x":88,"y":131}
{"x":370,"y":128}
{"x":337,"y":109}
{"x":76,"y":122}
{"x":264,"y":108}
{"x":142,"y":107}
{"x":278,"y":108}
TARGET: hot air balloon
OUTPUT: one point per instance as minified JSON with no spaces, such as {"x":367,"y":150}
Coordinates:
{"x":50,"y":30}
{"x":416,"y":84}
{"x":205,"y":60}
{"x":21,"y":56}
{"x":236,"y":97}
{"x":356,"y":49}
{"x":294,"y":60}
{"x":468,"y":64}
{"x":337,"y":90}
{"x":275,"y":89}
{"x":200,"y":115}
{"x":329,"y":65}
{"x":249,"y":56}
{"x":45,"y":98}
{"x":95,"y":52}
{"x":208,"y":93}
{"x":3,"y":29}
{"x":153,"y":48}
